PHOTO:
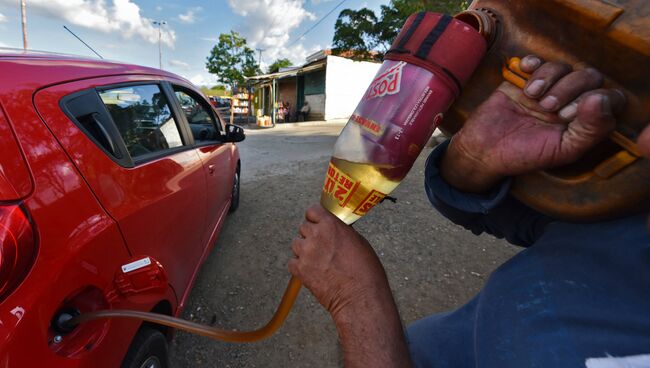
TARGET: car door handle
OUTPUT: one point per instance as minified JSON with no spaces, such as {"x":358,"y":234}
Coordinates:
{"x":109,"y":140}
{"x":211,"y":169}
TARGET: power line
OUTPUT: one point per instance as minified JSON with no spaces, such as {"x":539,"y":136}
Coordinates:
{"x":317,"y":23}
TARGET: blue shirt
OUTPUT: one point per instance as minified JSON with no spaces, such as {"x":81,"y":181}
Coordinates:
{"x":577,"y":291}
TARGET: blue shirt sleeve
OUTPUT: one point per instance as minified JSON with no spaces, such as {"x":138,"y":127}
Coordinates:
{"x":495,"y":213}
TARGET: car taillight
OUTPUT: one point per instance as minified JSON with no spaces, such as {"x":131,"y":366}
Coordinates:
{"x":17,"y":248}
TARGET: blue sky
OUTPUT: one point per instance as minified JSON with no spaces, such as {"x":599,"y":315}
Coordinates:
{"x":122,"y":29}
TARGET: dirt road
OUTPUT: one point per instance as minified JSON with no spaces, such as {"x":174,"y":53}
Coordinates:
{"x":432,"y":264}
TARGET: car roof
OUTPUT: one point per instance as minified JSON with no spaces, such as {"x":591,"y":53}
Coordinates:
{"x":43,"y":68}
{"x":13,"y":52}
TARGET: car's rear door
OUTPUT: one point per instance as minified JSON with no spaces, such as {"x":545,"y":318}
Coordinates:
{"x":125,"y":139}
{"x":216,"y":156}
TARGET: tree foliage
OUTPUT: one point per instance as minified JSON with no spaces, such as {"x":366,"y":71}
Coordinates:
{"x":355,"y":32}
{"x":232,"y":60}
{"x":280,"y":63}
{"x":217,"y":90}
{"x":363,"y":35}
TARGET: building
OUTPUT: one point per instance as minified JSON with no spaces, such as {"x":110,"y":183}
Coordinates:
{"x":331,"y":85}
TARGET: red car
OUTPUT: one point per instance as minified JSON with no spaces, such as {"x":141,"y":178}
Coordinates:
{"x":115,"y":180}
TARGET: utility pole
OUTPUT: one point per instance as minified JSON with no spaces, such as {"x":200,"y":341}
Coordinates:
{"x":23,"y":12}
{"x":159,"y":23}
{"x":259,"y":59}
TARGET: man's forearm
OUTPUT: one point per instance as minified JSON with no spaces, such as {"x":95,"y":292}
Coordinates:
{"x":459,"y":190}
{"x":371,"y":334}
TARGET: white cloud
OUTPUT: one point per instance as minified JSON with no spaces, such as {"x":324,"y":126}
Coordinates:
{"x":159,"y":8}
{"x":204,"y":79}
{"x":268,"y":23}
{"x":119,"y":17}
{"x":3,"y":18}
{"x":190,"y":16}
{"x":179,"y":64}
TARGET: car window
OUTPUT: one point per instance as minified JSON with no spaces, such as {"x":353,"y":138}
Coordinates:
{"x":199,"y":116}
{"x":143,"y":118}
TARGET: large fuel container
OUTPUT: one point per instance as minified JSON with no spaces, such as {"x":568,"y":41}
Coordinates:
{"x":612,"y":36}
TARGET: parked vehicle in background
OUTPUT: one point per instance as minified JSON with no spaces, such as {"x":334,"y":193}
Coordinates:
{"x":222,"y":104}
{"x":115,"y":180}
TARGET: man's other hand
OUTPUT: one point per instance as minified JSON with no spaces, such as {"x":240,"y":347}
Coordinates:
{"x":554,"y":120}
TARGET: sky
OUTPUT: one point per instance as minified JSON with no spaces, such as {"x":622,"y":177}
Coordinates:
{"x":123,"y":30}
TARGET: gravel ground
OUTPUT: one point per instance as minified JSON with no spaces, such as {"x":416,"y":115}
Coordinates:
{"x":432,"y":264}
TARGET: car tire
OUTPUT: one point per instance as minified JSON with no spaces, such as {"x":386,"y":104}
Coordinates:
{"x":234,"y":201}
{"x":148,"y":350}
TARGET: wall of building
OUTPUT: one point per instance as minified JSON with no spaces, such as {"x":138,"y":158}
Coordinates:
{"x":315,"y":94}
{"x":345,"y":83}
{"x":317,"y":106}
{"x":287,"y":92}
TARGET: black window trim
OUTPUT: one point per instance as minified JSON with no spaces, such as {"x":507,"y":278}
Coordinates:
{"x":187,"y":140}
{"x":127,"y":160}
{"x":199,"y":97}
{"x":123,"y":159}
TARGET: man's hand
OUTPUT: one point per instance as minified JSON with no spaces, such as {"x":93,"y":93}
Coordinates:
{"x":336,"y":263}
{"x":343,"y":272}
{"x":558,"y":116}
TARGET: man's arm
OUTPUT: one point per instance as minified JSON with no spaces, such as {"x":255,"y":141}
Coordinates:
{"x":370,"y":332}
{"x":494,"y":212}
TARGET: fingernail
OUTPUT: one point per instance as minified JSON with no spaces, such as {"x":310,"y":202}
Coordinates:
{"x":549,"y":103}
{"x":605,"y":104}
{"x":623,"y":97}
{"x":531,"y":62}
{"x":536,"y":87}
{"x":569,"y":111}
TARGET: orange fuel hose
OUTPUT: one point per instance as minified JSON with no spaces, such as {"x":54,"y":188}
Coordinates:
{"x":289,"y":297}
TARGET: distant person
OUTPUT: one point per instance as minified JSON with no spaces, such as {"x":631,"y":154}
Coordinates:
{"x":304,"y":111}
{"x":287,"y":111}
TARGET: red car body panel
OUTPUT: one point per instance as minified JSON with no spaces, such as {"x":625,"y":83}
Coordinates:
{"x":92,"y":215}
{"x":163,"y":193}
{"x":15,"y":181}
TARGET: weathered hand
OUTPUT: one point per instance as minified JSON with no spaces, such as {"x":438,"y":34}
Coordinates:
{"x":336,"y":263}
{"x":559,"y":115}
{"x":343,"y":272}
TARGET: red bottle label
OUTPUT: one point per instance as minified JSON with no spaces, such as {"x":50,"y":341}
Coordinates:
{"x":387,"y":83}
{"x":395,"y":119}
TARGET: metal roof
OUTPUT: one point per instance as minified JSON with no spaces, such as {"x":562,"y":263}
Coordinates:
{"x":319,"y":64}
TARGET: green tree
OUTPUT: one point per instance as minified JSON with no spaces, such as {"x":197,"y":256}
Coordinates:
{"x":232,"y":60}
{"x":366,"y":36}
{"x":280,"y":63}
{"x":355,"y":32}
{"x":218,"y":90}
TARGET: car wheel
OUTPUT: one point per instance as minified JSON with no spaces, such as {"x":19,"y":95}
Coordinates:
{"x":234,"y":202}
{"x":148,"y":350}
